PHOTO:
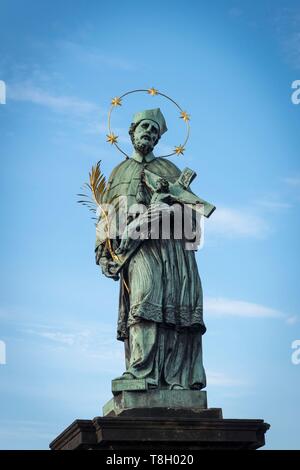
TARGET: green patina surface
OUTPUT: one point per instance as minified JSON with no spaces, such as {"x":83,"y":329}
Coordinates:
{"x":165,"y":399}
{"x":161,"y":302}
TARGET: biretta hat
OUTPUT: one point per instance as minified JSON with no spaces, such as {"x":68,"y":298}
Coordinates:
{"x":153,"y":115}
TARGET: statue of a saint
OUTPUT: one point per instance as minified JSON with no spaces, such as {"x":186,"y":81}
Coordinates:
{"x":161,"y":303}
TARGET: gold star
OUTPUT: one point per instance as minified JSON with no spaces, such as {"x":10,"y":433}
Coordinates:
{"x":112,"y":138}
{"x":152,"y":91}
{"x":185,"y":116}
{"x":116,"y":101}
{"x":179,"y":150}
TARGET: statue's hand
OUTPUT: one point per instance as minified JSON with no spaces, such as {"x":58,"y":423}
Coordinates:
{"x":109,"y":268}
{"x":123,"y":246}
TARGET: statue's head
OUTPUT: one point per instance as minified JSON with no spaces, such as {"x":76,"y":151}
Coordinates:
{"x":146,"y":129}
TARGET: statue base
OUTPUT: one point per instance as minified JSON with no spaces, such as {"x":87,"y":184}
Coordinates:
{"x":155,"y":402}
{"x":141,"y":418}
{"x":162,"y":420}
{"x":165,"y":433}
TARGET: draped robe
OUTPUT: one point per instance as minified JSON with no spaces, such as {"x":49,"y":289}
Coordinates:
{"x":161,"y":317}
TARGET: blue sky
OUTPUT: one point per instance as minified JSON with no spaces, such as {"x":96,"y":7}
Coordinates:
{"x":230,"y":64}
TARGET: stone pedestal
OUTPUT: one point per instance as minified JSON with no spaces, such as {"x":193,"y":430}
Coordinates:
{"x":139,"y":418}
{"x":164,"y":433}
{"x":162,"y":420}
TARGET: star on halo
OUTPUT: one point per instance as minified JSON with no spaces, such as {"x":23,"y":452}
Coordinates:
{"x":112,"y":138}
{"x":116,"y":101}
{"x":179,"y":150}
{"x":185,"y":116}
{"x":152,"y":91}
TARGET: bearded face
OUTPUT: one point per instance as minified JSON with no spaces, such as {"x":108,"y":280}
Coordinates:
{"x":145,"y":136}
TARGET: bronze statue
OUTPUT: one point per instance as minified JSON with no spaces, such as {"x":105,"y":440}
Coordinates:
{"x":161,"y":303}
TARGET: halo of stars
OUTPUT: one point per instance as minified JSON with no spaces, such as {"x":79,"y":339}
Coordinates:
{"x":118,"y":101}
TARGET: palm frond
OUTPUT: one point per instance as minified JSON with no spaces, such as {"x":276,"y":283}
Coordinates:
{"x":97,"y":183}
{"x":96,"y":187}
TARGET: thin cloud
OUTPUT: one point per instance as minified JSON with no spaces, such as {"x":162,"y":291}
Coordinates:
{"x":68,"y":339}
{"x":287,"y":26}
{"x":84,"y":347}
{"x":235,"y":12}
{"x":97,"y":128}
{"x":292,"y":320}
{"x":292,"y":181}
{"x":237,"y":223}
{"x":4,"y":314}
{"x":222,"y":380}
{"x":273,"y":205}
{"x":65,"y":337}
{"x":291,"y":47}
{"x":93,"y":57}
{"x":221,"y":306}
{"x":26,"y":431}
{"x":94,"y":339}
{"x":56,"y":103}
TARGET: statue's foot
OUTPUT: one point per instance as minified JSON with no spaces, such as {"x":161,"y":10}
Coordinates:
{"x":176,"y":387}
{"x":125,"y":376}
{"x":197,"y":386}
